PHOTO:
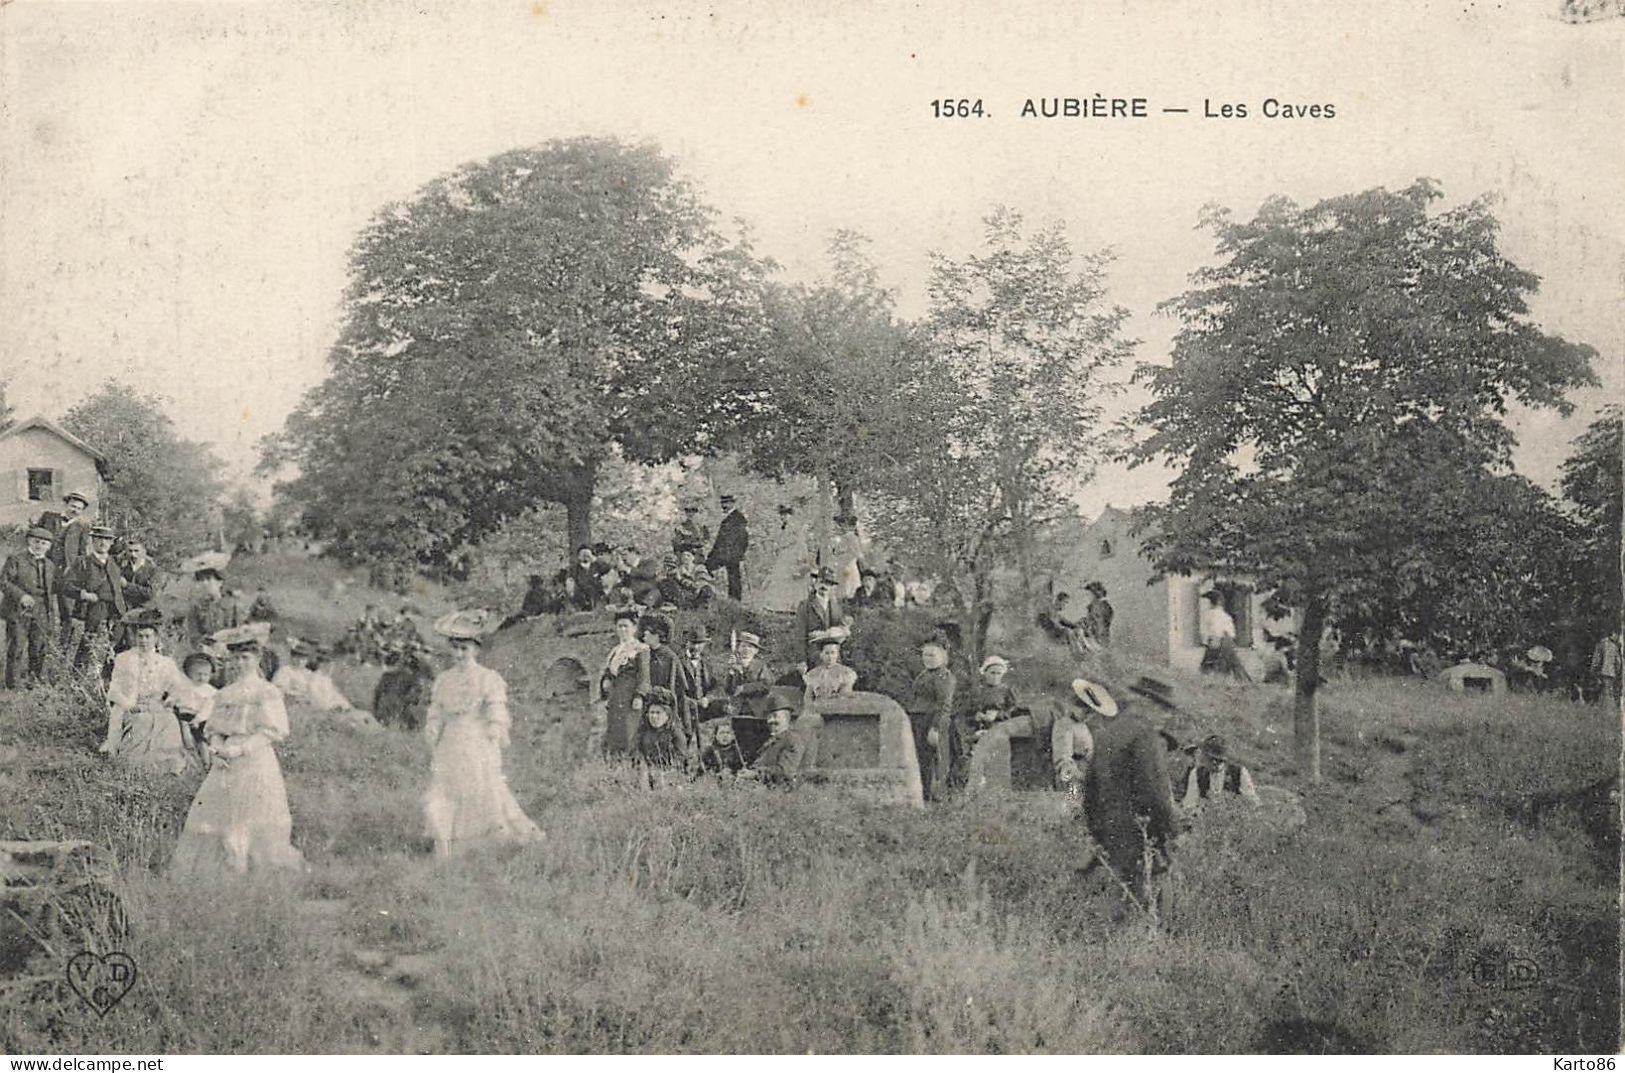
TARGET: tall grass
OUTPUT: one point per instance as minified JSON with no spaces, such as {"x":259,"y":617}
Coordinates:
{"x":703,"y":917}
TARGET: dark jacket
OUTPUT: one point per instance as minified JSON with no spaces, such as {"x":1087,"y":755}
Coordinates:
{"x":733,"y":540}
{"x":810,"y":617}
{"x":756,"y":671}
{"x":102,"y":578}
{"x":20,"y":577}
{"x":662,"y":747}
{"x":786,"y":758}
{"x":667,"y":668}
{"x":72,"y":540}
{"x":1126,"y":784}
{"x":589,"y":586}
{"x":140,"y":584}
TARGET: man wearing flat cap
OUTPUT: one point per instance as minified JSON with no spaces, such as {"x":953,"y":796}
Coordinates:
{"x":93,"y":593}
{"x":728,"y":551}
{"x":28,"y":603}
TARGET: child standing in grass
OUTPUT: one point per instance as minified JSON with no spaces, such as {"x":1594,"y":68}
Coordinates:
{"x":468,"y":802}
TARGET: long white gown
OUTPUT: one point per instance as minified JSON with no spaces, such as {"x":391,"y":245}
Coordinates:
{"x":239,"y":818}
{"x":468,"y":801}
{"x":140,"y":690}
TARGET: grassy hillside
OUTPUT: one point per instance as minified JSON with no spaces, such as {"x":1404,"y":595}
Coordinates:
{"x":699,"y":917}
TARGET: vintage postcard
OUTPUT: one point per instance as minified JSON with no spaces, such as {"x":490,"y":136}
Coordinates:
{"x":549,"y":527}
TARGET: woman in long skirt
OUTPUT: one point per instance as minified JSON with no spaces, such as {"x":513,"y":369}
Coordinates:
{"x":141,"y":726}
{"x":624,"y":683}
{"x":239,"y":819}
{"x":468,"y":802}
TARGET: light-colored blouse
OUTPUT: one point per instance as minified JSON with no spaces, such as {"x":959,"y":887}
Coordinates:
{"x":250,"y":705}
{"x":468,"y":693}
{"x":144,"y":680}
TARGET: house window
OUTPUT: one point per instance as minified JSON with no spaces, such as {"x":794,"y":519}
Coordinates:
{"x":40,"y":485}
{"x":1105,"y":549}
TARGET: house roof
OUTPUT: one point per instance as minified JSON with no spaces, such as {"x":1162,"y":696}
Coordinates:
{"x":55,"y":430}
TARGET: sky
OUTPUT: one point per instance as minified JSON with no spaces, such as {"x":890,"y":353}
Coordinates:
{"x":180,"y":183}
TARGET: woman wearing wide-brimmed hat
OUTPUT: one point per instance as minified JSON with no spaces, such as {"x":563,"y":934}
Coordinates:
{"x":239,"y":819}
{"x":141,"y":727}
{"x":468,"y":802}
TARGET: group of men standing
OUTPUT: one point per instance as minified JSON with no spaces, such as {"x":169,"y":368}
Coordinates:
{"x":75,"y":581}
{"x":67,"y":585}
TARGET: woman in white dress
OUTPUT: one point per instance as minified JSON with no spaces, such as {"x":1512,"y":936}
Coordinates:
{"x":468,"y":802}
{"x":141,"y":726}
{"x":239,"y":818}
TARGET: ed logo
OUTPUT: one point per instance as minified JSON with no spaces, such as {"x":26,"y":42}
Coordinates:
{"x":101,"y":980}
{"x":1509,"y":974}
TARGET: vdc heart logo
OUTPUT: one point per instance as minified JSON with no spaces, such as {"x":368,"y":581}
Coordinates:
{"x":101,"y":979}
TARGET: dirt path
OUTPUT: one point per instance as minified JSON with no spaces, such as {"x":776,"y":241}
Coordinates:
{"x":385,"y":981}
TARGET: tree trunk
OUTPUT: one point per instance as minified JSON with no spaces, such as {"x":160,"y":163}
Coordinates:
{"x":1305,"y":706}
{"x":578,"y":493}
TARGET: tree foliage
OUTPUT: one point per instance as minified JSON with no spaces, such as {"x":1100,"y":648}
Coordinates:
{"x":1001,"y":405}
{"x":1338,"y":373}
{"x":158,"y":484}
{"x":835,"y":351}
{"x":1593,"y":480}
{"x":6,"y":413}
{"x":508,"y":325}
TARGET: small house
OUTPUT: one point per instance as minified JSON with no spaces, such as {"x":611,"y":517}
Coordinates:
{"x":1156,"y":618}
{"x":39,"y":463}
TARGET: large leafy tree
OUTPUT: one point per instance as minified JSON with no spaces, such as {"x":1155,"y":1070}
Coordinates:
{"x":504,"y":328}
{"x":1593,"y":479}
{"x":836,"y":354}
{"x":158,"y":483}
{"x":1002,"y":406}
{"x":5,"y":408}
{"x":1332,"y":369}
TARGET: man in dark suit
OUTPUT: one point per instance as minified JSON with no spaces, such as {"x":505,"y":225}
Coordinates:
{"x":707,"y":679}
{"x":588,"y":587}
{"x":93,"y":589}
{"x":70,"y":530}
{"x":28,"y":590}
{"x":1128,"y":803}
{"x":140,"y":573}
{"x":791,"y":752}
{"x":820,"y":611}
{"x":728,"y":551}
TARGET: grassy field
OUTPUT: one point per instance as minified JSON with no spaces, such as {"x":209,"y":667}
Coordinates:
{"x":736,"y":919}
